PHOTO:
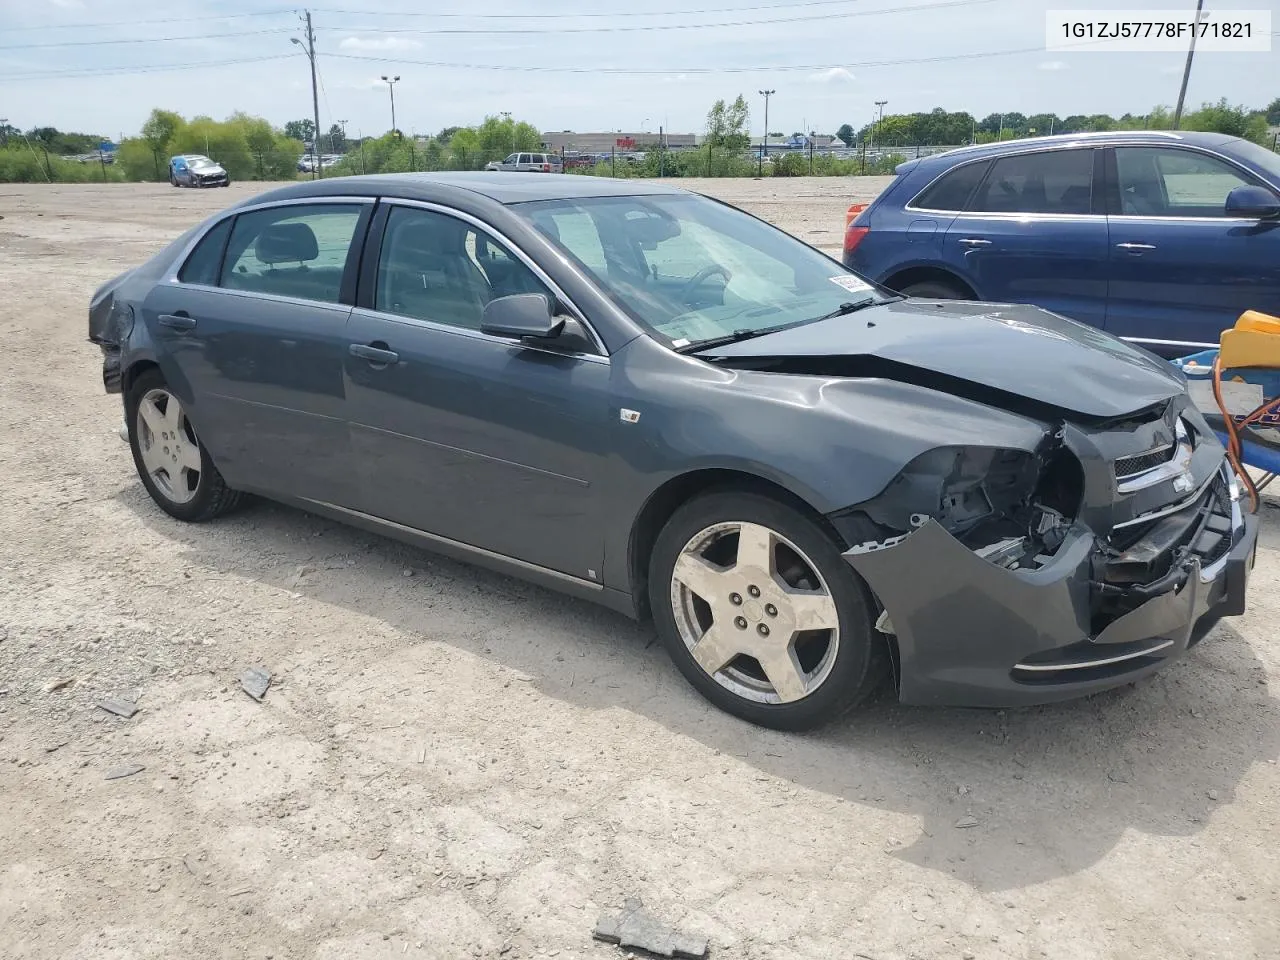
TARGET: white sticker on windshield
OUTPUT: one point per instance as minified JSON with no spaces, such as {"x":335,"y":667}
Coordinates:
{"x":682,"y":342}
{"x":851,"y":283}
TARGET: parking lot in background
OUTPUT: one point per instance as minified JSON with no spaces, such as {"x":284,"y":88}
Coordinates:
{"x":450,"y":763}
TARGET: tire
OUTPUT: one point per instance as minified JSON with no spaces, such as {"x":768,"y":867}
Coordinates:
{"x":837,"y":669}
{"x":936,"y":290}
{"x":173,"y":181}
{"x":193,"y":499}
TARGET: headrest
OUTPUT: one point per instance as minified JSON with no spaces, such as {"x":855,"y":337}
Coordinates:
{"x":286,"y":243}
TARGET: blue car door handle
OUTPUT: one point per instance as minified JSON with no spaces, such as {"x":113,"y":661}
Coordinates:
{"x":975,"y":242}
{"x":175,"y":322}
{"x":376,"y":353}
{"x":1135,"y":248}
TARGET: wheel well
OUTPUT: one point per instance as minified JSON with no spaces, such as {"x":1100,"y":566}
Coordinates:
{"x":676,"y":492}
{"x":921,"y":274}
{"x":134,"y":372}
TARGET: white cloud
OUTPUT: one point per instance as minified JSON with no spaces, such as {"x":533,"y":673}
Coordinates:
{"x":1053,"y":65}
{"x":832,"y":75}
{"x":379,"y":43}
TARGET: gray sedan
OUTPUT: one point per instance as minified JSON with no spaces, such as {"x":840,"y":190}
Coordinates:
{"x":650,"y":399}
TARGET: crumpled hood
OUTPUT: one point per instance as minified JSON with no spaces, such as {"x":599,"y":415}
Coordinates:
{"x":1014,"y":348}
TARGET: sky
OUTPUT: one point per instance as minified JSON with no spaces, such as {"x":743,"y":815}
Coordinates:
{"x":585,"y":65}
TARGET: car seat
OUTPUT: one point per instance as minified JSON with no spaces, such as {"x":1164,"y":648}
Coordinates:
{"x":425,"y":272}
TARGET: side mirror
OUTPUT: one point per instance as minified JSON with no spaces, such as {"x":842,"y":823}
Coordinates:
{"x":521,"y":315}
{"x":1252,"y":202}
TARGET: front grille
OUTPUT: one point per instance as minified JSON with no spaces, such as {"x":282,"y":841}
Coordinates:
{"x":1131,"y":466}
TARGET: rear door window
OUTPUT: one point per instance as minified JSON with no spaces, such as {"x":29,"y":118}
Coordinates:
{"x":1059,"y":181}
{"x":293,"y":251}
{"x":952,"y":190}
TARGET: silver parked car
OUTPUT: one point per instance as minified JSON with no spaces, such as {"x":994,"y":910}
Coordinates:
{"x":527,"y":163}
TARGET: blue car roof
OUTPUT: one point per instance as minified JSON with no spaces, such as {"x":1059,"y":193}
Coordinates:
{"x":1064,"y":140}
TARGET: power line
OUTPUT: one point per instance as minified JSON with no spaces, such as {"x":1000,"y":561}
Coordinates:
{"x":103,"y":43}
{"x":129,"y":71}
{"x":587,"y":15}
{"x":667,"y":71}
{"x":647,"y":28}
{"x":138,"y":23}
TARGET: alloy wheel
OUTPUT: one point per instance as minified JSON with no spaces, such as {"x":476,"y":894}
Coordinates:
{"x":167,"y":446}
{"x":755,"y":612}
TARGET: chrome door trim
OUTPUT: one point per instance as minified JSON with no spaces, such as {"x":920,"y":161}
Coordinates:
{"x":523,"y":257}
{"x":458,"y":545}
{"x":475,"y":334}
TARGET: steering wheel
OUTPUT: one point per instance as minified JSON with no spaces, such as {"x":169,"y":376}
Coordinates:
{"x":701,"y":277}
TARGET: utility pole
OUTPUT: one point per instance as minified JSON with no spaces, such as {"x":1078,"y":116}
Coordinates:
{"x":342,"y":125}
{"x":764,"y":144}
{"x":309,"y":47}
{"x":879,"y":117}
{"x":1186,"y":71}
{"x":391,"y":88}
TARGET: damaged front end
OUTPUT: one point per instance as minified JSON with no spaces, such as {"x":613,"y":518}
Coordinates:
{"x":1019,"y":576}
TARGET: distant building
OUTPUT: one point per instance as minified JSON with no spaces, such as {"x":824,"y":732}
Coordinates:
{"x":604,"y":142}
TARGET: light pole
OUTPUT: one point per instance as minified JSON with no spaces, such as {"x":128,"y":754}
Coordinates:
{"x":342,"y":125}
{"x":879,"y":116}
{"x":1186,"y":71}
{"x":391,"y":89}
{"x":764,"y":144}
{"x":644,"y":125}
{"x":506,"y":115}
{"x":310,"y":49}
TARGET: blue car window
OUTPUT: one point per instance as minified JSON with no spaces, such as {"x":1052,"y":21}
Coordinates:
{"x":1161,"y":182}
{"x":952,"y":190}
{"x":1058,"y":181}
{"x":292,"y":251}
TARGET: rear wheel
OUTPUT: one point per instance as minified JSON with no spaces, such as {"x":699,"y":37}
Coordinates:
{"x":761,"y":613}
{"x":171,"y":462}
{"x":936,"y":290}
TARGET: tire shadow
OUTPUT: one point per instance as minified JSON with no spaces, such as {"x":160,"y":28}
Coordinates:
{"x":1005,"y":798}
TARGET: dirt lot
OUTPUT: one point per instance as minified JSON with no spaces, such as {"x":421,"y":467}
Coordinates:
{"x":450,"y":763}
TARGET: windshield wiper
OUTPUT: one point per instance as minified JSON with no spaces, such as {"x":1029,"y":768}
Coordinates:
{"x":845,"y":309}
{"x":736,"y":337}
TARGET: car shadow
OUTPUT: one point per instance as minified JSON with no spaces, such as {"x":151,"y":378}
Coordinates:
{"x":1005,"y":798}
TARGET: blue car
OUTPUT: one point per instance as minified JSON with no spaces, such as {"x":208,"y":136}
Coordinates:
{"x":1161,"y":238}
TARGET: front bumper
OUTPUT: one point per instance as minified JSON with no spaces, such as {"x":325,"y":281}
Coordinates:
{"x":971,"y":633}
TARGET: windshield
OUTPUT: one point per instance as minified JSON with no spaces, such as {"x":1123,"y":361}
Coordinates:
{"x":691,"y":270}
{"x":1260,"y":157}
{"x":201,"y":162}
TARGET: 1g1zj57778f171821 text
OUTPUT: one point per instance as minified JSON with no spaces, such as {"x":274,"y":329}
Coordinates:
{"x":1137,"y":31}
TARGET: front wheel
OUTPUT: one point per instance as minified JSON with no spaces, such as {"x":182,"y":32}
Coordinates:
{"x":761,"y":613}
{"x":173,"y":465}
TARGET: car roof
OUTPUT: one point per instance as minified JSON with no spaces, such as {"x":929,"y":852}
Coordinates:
{"x":503,"y":187}
{"x":1065,"y":140}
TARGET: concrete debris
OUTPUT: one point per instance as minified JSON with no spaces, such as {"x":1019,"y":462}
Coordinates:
{"x":50,"y":748}
{"x":255,"y":681}
{"x":121,"y":708}
{"x":127,"y":770}
{"x":966,"y":823}
{"x":635,"y":927}
{"x":57,"y":683}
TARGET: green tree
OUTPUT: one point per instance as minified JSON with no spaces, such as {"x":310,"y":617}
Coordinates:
{"x":335,"y":139}
{"x":158,"y":134}
{"x":845,"y":134}
{"x":300,"y":129}
{"x":1221,"y":117}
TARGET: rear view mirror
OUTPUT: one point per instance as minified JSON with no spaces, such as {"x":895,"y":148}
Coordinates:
{"x":1252,"y":202}
{"x":521,"y":315}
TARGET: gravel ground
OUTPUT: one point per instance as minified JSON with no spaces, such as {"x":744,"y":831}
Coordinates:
{"x":450,"y":763}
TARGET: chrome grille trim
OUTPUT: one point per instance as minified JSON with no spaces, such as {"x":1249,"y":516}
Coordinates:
{"x":1179,"y":463}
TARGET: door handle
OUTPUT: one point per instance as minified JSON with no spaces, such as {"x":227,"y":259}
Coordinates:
{"x":1135,"y":247}
{"x":175,"y":322}
{"x":975,"y":242}
{"x":374,"y":353}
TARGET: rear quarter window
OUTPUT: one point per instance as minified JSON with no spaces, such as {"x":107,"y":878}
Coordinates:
{"x":205,"y":262}
{"x":952,"y":190}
